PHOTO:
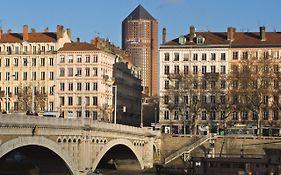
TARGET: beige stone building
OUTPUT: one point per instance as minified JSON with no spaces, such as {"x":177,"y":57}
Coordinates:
{"x":27,"y":63}
{"x":84,"y":82}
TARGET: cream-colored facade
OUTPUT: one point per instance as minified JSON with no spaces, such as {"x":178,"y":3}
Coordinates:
{"x":84,"y":82}
{"x":28,"y":60}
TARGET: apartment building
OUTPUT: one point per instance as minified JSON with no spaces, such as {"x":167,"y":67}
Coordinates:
{"x":202,"y":84}
{"x":140,"y":39}
{"x":28,"y":68}
{"x":84,"y":82}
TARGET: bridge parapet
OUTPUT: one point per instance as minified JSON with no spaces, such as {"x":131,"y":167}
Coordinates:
{"x":80,"y":123}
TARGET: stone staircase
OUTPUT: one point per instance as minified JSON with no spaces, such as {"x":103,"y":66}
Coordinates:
{"x":187,"y":148}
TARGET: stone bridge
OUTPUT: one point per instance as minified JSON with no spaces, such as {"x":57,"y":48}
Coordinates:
{"x":80,"y":143}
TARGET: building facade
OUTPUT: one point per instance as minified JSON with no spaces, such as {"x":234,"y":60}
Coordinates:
{"x":140,"y":39}
{"x":200,"y":89}
{"x":84,"y":81}
{"x":28,"y":68}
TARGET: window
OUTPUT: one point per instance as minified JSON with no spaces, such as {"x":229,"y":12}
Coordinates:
{"x":213,"y":115}
{"x":79,"y":58}
{"x":185,"y":69}
{"x":16,"y":50}
{"x":185,"y":99}
{"x":235,"y":115}
{"x":275,"y":115}
{"x":176,"y":115}
{"x":166,"y":99}
{"x":235,"y":55}
{"x":223,"y":58}
{"x":61,"y":86}
{"x":24,"y":76}
{"x":95,"y":115}
{"x":213,"y":99}
{"x":79,"y":100}
{"x":204,"y":99}
{"x":51,"y":90}
{"x":185,"y":57}
{"x":213,"y":56}
{"x":204,"y":115}
{"x":195,"y":56}
{"x":70,"y":101}
{"x":255,"y":115}
{"x":87,"y":101}
{"x":245,"y":55}
{"x":194,"y":99}
{"x":223,"y":99}
{"x":79,"y":86}
{"x":34,"y":49}
{"x":87,"y":72}
{"x":95,"y":86}
{"x":62,"y":59}
{"x":166,"y":70}
{"x":95,"y":58}
{"x":95,"y":100}
{"x":245,"y":115}
{"x":276,"y":68}
{"x":213,"y":69}
{"x":33,"y":62}
{"x":70,"y":72}
{"x":204,"y":69}
{"x":223,"y":84}
{"x":204,"y":84}
{"x":16,"y":62}
{"x":33,"y":76}
{"x":7,"y":77}
{"x":95,"y":71}
{"x":87,"y":58}
{"x":177,"y":84}
{"x":78,"y":72}
{"x":177,"y":57}
{"x":195,"y":69}
{"x":166,"y":115}
{"x":222,"y":115}
{"x":88,"y":87}
{"x":204,"y":56}
{"x":223,"y":69}
{"x":195,"y":84}
{"x":24,"y":61}
{"x":265,"y":100}
{"x":265,"y":115}
{"x":70,"y":58}
{"x":70,"y":86}
{"x":51,"y":61}
{"x":16,"y":76}
{"x":51,"y":75}
{"x":61,"y":72}
{"x":61,"y":100}
{"x":177,"y":69}
{"x":42,"y":75}
{"x":166,"y":84}
{"x":7,"y":63}
{"x":176,"y":100}
{"x":42,"y":61}
{"x":166,"y":56}
{"x":235,"y":99}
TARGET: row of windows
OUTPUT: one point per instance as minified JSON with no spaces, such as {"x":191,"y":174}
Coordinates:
{"x":78,"y":86}
{"x":254,"y":54}
{"x":42,"y":89}
{"x":70,"y":72}
{"x":78,"y":114}
{"x":24,"y":62}
{"x":195,"y":84}
{"x":26,"y":49}
{"x":195,"y":69}
{"x":195,"y":57}
{"x":212,"y":115}
{"x":87,"y":101}
{"x":24,"y":76}
{"x":78,"y":59}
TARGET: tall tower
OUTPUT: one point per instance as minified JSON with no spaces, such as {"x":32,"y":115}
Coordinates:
{"x":140,"y":39}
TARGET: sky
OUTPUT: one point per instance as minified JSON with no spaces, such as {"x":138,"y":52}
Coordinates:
{"x":90,"y":18}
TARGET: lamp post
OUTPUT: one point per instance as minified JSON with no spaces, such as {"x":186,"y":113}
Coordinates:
{"x":115,"y":102}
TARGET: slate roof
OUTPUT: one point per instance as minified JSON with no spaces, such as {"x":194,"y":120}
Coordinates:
{"x":32,"y":37}
{"x":139,"y":13}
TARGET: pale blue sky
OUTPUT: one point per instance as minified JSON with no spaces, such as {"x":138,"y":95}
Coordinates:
{"x":86,"y":18}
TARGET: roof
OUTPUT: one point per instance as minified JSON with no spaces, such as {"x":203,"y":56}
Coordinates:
{"x":32,"y":37}
{"x":240,"y":39}
{"x":139,"y":13}
{"x":83,"y":46}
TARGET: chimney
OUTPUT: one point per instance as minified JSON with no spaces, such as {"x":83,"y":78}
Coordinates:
{"x":25,"y":33}
{"x":78,"y":40}
{"x":46,"y":30}
{"x":69,"y":33}
{"x":1,"y":32}
{"x":33,"y":30}
{"x":9,"y":31}
{"x":262,"y":33}
{"x":191,"y":33}
{"x":230,"y":33}
{"x":60,"y":31}
{"x":164,"y":34}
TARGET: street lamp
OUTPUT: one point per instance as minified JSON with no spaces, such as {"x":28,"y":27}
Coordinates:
{"x":115,"y":102}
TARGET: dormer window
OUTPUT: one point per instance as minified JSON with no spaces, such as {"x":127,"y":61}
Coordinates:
{"x":200,"y":40}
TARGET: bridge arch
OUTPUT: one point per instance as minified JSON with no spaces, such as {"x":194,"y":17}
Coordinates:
{"x":115,"y":142}
{"x":38,"y":141}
